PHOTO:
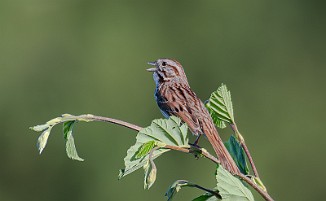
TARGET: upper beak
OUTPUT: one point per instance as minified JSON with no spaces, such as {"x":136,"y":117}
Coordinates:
{"x":152,"y":69}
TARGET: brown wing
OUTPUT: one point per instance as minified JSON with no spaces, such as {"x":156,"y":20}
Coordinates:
{"x":182,"y":102}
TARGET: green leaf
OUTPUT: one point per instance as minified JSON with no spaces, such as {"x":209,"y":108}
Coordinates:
{"x":259,"y":182}
{"x":231,"y":188}
{"x":220,"y":106}
{"x":69,"y":139}
{"x":43,"y":139}
{"x":68,"y":121}
{"x":145,"y":149}
{"x":206,"y":197}
{"x":162,"y":132}
{"x":39,"y":128}
{"x":175,"y":187}
{"x":237,"y":153}
{"x":46,"y":128}
{"x":150,"y":174}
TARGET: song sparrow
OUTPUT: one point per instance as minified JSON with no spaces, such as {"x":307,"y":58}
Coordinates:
{"x":174,"y":97}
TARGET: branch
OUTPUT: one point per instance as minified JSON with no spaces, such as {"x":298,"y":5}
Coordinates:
{"x":205,"y":153}
{"x":91,"y":117}
{"x":263,"y":193}
{"x":245,"y":148}
{"x":202,"y":151}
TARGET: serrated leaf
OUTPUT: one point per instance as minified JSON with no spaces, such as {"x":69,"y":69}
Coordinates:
{"x":174,"y":188}
{"x":69,"y":139}
{"x":145,"y":149}
{"x":237,"y":153}
{"x":220,"y":106}
{"x":43,"y":139}
{"x":161,"y":131}
{"x":231,"y":188}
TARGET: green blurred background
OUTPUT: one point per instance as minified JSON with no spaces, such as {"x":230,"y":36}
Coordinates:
{"x":78,"y":57}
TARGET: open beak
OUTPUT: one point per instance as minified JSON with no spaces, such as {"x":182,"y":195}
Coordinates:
{"x":152,"y":69}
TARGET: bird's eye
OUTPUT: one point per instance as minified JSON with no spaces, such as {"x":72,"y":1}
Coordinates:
{"x":163,"y":63}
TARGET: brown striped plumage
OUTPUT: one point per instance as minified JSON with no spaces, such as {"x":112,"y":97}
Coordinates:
{"x":174,"y":97}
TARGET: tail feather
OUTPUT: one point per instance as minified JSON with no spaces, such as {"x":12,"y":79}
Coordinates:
{"x":222,"y":153}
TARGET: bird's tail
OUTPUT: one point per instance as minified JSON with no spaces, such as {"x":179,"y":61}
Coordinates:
{"x":222,"y":153}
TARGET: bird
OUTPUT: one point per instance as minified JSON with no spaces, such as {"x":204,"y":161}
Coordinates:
{"x":174,"y":97}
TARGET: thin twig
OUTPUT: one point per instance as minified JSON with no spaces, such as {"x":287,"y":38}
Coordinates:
{"x":207,"y":155}
{"x":246,"y":150}
{"x":110,"y":120}
{"x":188,"y":150}
{"x":263,"y":193}
{"x":251,"y":161}
{"x":216,"y":194}
{"x":91,"y":117}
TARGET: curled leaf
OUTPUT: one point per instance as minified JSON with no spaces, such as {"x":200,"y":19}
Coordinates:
{"x":43,"y":139}
{"x":39,"y":128}
{"x":175,"y":187}
{"x":150,"y":175}
{"x":69,"y":139}
{"x":54,"y":121}
{"x":68,"y":121}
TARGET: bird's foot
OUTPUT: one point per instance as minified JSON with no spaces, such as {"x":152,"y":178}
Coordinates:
{"x":195,"y":149}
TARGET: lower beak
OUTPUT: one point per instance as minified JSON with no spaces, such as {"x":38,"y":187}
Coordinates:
{"x":151,"y":69}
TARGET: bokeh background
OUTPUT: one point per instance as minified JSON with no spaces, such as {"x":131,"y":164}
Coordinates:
{"x":79,"y":56}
